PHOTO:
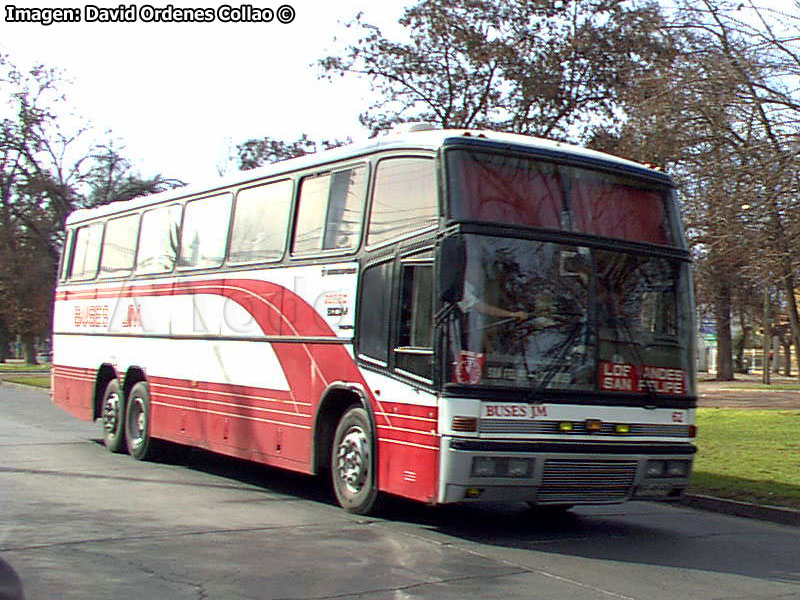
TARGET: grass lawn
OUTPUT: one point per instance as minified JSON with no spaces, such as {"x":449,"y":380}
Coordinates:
{"x":748,"y":455}
{"x":42,"y":381}
{"x":18,"y":366}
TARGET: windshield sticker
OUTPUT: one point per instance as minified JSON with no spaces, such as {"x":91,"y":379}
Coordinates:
{"x":469,"y":367}
{"x":622,"y":377}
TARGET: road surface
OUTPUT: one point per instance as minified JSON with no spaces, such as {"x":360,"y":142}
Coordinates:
{"x":79,"y":522}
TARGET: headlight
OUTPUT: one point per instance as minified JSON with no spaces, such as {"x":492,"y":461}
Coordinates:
{"x":484,"y":467}
{"x":655,"y":468}
{"x":677,"y":468}
{"x":666,"y":468}
{"x":520,"y":467}
{"x":498,"y":466}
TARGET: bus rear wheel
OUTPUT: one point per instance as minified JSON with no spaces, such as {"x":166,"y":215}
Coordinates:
{"x":113,"y":415}
{"x":352,"y":463}
{"x":137,"y":423}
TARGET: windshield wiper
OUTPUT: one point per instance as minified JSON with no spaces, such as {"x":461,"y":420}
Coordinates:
{"x":557,"y":364}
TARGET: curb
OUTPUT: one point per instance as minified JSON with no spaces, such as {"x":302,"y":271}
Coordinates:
{"x":37,"y":372}
{"x":763,"y":512}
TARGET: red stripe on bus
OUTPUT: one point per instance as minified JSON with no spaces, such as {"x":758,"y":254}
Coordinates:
{"x":309,"y":368}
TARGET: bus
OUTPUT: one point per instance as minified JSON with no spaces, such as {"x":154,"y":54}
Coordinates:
{"x":442,"y":315}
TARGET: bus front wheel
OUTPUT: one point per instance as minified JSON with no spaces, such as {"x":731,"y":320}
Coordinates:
{"x":114,"y":417}
{"x":352,"y":463}
{"x":137,"y":423}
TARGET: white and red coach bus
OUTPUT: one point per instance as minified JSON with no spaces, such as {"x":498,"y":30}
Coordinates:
{"x":446,"y":316}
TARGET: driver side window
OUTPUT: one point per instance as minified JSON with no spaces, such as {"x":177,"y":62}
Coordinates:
{"x":414,"y":349}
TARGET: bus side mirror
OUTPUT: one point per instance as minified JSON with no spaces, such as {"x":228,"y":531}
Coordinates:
{"x":450,"y":268}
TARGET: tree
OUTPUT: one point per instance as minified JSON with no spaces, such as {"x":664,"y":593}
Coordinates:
{"x":755,"y":139}
{"x":721,"y":113}
{"x":553,"y":69}
{"x":46,"y":171}
{"x":35,"y":196}
{"x":257,"y":152}
{"x":110,"y":178}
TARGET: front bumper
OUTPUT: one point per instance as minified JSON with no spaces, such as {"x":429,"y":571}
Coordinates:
{"x":559,"y":473}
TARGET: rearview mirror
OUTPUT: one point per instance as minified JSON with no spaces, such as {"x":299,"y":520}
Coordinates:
{"x":450,"y":268}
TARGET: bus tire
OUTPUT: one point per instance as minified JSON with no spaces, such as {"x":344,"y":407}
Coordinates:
{"x":353,"y":463}
{"x":137,"y":423}
{"x":113,"y":417}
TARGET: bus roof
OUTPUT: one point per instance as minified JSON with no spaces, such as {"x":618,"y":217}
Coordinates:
{"x":411,"y":137}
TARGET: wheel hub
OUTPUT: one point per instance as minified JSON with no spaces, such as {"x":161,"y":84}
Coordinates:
{"x":111,"y":414}
{"x":353,"y":459}
{"x":138,"y":424}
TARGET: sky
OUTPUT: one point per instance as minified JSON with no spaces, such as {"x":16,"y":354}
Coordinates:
{"x":181,"y":96}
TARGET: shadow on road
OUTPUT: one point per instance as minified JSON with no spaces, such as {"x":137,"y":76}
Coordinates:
{"x":638,"y":533}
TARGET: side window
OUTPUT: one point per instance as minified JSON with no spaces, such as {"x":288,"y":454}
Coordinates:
{"x":86,"y":252}
{"x":260,"y":221}
{"x":119,"y":246}
{"x":66,"y":253}
{"x":373,"y":314}
{"x":414,"y":351}
{"x":330,"y":207}
{"x":158,"y":240}
{"x":205,"y":232}
{"x":404,"y":199}
{"x":416,"y":306}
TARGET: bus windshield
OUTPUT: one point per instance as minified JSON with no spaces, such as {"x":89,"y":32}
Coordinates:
{"x":543,"y":315}
{"x":519,"y":190}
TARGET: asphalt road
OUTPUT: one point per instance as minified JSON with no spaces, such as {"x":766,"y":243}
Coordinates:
{"x":79,"y":522}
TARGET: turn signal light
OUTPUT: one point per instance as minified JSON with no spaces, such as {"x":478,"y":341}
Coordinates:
{"x":593,"y":425}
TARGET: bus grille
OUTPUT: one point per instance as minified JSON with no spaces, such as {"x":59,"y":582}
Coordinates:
{"x":572,"y":481}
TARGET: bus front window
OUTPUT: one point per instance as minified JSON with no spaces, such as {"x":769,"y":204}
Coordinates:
{"x":519,"y":190}
{"x":544,"y":315}
{"x":524,"y":315}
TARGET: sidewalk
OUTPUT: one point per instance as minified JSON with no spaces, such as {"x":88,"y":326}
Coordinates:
{"x":748,"y":392}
